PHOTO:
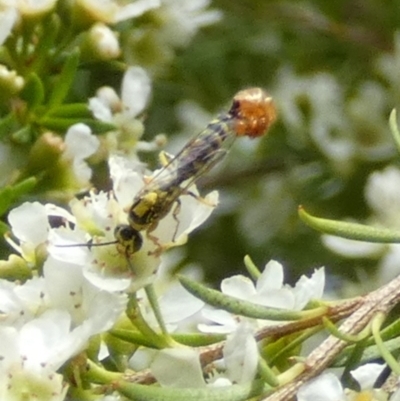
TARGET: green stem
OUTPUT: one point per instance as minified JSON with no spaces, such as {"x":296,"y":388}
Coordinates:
{"x":152,"y":297}
{"x":386,"y":355}
{"x":135,"y":316}
{"x":251,"y":268}
{"x":97,"y":374}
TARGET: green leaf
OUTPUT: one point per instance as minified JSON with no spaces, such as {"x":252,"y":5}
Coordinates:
{"x":8,"y":124}
{"x":190,"y":339}
{"x":23,"y":135}
{"x":236,"y":392}
{"x":64,"y":81}
{"x":133,"y":337}
{"x":72,"y":110}
{"x":3,"y":228}
{"x":10,"y":194}
{"x":33,"y":92}
{"x":239,"y":306}
{"x":355,"y":231}
{"x":62,"y":124}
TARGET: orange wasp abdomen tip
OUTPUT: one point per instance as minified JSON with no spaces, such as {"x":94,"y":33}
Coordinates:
{"x":254,"y":112}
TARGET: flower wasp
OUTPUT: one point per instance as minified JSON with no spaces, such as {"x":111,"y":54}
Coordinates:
{"x":251,"y":114}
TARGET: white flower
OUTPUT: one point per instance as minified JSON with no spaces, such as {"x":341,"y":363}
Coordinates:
{"x":269,"y":291}
{"x":8,"y":17}
{"x":135,"y":93}
{"x":80,"y":144}
{"x":352,"y":248}
{"x":333,"y":128}
{"x":327,"y":386}
{"x":29,"y":359}
{"x":29,"y":224}
{"x":13,"y":10}
{"x":388,"y":64}
{"x":241,"y":355}
{"x":108,"y":266}
{"x":123,"y":112}
{"x":66,"y":288}
{"x":31,"y":355}
{"x":224,"y":321}
{"x":177,"y":304}
{"x":366,"y":375}
{"x":63,"y":287}
{"x":183,"y":18}
{"x":382,"y":194}
{"x":180,"y":367}
{"x":35,"y":8}
{"x":113,"y":11}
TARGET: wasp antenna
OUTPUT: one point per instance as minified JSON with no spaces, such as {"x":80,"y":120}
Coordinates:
{"x":88,"y":245}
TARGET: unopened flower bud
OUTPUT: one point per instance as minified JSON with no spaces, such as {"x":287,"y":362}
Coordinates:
{"x":102,"y":43}
{"x":10,"y":82}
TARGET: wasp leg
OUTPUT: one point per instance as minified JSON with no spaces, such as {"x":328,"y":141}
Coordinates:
{"x":161,"y":248}
{"x":158,"y":251}
{"x":165,"y":158}
{"x":175,"y":213}
{"x":200,"y":198}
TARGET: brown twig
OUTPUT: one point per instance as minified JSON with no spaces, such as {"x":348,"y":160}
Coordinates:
{"x":379,"y":301}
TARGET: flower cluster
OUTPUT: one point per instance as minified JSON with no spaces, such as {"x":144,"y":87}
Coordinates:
{"x":91,"y":305}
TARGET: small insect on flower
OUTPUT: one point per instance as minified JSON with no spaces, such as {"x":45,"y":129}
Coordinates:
{"x":251,"y":114}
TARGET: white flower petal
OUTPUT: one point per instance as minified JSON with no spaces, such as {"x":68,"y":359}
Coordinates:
{"x":225,"y":321}
{"x":203,"y":210}
{"x":241,"y":355}
{"x":178,"y":304}
{"x":100,"y":111}
{"x":326,"y":387}
{"x":271,"y":278}
{"x":366,"y":375}
{"x":107,"y":283}
{"x":390,"y":265}
{"x":352,"y":248}
{"x":136,"y":9}
{"x":307,"y":289}
{"x":142,"y":358}
{"x":8,"y":18}
{"x":135,"y":91}
{"x":29,"y":223}
{"x":80,"y":141}
{"x":127,"y":177}
{"x":282,"y":298}
{"x":239,"y":287}
{"x":178,"y":367}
